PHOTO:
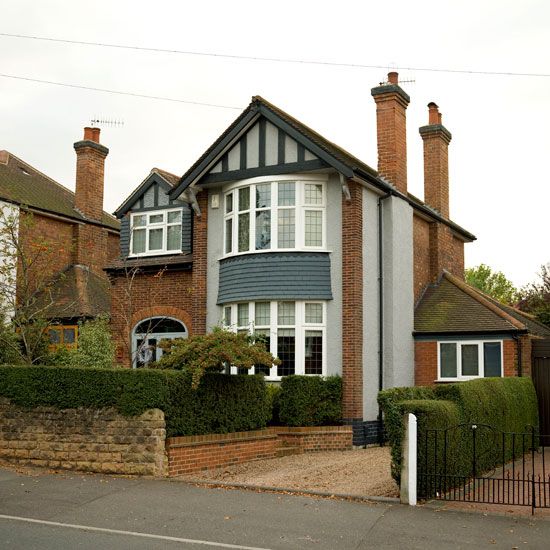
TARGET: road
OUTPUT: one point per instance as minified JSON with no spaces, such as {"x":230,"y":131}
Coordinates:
{"x":64,"y":511}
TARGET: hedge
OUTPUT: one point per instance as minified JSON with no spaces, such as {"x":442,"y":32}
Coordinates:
{"x":310,"y":400}
{"x":505,"y":404}
{"x":221,"y":404}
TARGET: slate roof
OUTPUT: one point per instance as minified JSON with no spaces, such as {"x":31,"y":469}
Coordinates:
{"x":333,"y":154}
{"x":452,"y":307}
{"x":22,"y":184}
{"x":75,"y":292}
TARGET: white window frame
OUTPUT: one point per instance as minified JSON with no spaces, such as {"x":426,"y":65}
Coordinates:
{"x":300,"y":327}
{"x":149,"y":226}
{"x":481,"y":360}
{"x":300,"y":209}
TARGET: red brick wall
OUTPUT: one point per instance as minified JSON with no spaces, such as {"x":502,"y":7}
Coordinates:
{"x":352,"y":303}
{"x":200,"y":239}
{"x":425,"y":360}
{"x":206,"y":452}
{"x":157,"y":294}
{"x":113,"y":246}
{"x":91,"y":247}
{"x":421,"y":257}
{"x":90,"y":168}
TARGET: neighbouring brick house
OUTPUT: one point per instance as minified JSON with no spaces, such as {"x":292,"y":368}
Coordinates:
{"x":79,"y":236}
{"x":277,"y":230}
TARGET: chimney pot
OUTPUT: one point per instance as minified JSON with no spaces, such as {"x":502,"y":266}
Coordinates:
{"x":393,"y":77}
{"x":92,"y":134}
{"x":433,"y":114}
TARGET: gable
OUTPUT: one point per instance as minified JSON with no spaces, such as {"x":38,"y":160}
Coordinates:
{"x":264,"y":148}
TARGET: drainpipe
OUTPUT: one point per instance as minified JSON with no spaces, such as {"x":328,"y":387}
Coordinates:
{"x":380,"y":315}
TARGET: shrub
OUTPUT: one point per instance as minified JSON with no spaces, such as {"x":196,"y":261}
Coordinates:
{"x":310,"y":400}
{"x":220,"y":404}
{"x":213,"y":351}
{"x":95,"y":347}
{"x":131,"y":392}
{"x":273,"y":394}
{"x":504,"y":404}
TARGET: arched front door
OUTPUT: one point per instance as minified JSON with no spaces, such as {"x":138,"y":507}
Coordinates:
{"x":148,"y":333}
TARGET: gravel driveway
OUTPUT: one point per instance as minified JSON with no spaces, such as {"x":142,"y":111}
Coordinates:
{"x":363,"y":472}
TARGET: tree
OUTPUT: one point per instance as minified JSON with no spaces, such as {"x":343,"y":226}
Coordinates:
{"x":26,"y":286}
{"x":493,"y":283}
{"x":536,"y":296}
{"x":215,"y":351}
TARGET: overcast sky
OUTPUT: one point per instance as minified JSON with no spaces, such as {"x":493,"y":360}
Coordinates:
{"x":500,"y":188}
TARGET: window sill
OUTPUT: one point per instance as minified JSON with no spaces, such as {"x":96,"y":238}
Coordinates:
{"x":154,"y":254}
{"x":277,"y":251}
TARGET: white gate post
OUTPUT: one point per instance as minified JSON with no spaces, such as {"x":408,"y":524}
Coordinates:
{"x":408,"y":461}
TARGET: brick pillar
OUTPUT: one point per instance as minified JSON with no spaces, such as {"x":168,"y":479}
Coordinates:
{"x":352,"y":305}
{"x":391,"y":123}
{"x":200,"y":238}
{"x":436,"y":161}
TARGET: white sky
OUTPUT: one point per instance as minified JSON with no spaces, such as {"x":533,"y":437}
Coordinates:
{"x":500,"y":189}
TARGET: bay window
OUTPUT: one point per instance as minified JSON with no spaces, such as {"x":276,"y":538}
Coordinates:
{"x":293,"y":331}
{"x":275,"y":215}
{"x":464,"y":360}
{"x":157,"y":232}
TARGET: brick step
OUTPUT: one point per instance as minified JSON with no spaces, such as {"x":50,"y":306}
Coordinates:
{"x":287,"y":451}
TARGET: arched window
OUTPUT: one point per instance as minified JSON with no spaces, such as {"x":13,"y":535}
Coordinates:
{"x":148,"y":333}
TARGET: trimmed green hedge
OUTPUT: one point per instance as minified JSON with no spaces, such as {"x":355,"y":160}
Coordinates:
{"x":505,"y":404}
{"x":220,"y":404}
{"x":310,"y":400}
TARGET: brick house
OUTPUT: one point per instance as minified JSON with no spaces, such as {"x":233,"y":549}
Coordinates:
{"x":79,"y":236}
{"x":277,"y":230}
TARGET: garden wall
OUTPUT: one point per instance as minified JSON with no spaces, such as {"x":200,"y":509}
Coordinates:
{"x":88,"y":440}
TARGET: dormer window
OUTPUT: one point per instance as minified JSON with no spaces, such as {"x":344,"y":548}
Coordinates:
{"x":157,"y":232}
{"x":276,"y":215}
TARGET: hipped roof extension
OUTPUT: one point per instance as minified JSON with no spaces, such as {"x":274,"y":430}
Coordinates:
{"x":336,"y":157}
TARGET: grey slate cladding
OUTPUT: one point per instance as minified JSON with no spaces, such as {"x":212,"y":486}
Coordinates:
{"x":186,"y":228}
{"x":275,"y":276}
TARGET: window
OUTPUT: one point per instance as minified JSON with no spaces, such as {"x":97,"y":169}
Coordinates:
{"x":62,"y":336}
{"x":155,"y":233}
{"x":275,"y":215}
{"x":469,"y":359}
{"x":293,"y":331}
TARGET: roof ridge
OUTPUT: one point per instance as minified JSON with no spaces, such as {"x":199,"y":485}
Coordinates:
{"x":480,"y":297}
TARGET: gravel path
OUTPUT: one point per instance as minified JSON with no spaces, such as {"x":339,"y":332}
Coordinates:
{"x":360,"y":472}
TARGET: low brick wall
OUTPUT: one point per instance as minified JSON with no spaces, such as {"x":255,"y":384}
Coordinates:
{"x":318,"y":438}
{"x":209,"y":452}
{"x":194,"y":453}
{"x":89,"y":440}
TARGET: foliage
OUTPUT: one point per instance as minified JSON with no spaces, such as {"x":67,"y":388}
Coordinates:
{"x":95,"y":347}
{"x":493,"y":283}
{"x":273,"y":394}
{"x":214,"y":351}
{"x":536,"y":297}
{"x":505,"y":404}
{"x":220,"y":404}
{"x":26,"y":290}
{"x":310,"y":400}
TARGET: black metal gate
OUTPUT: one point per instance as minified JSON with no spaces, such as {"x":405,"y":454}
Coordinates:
{"x":477,"y":463}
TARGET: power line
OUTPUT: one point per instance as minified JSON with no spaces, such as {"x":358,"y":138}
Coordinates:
{"x":118,"y":92}
{"x":270,"y":59}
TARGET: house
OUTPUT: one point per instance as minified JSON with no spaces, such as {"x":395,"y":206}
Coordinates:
{"x":66,"y":237}
{"x":279,"y":231}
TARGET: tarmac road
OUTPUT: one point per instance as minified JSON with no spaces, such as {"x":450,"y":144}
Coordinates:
{"x":62,"y":511}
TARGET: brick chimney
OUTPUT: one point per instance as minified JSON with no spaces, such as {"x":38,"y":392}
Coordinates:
{"x":90,"y":166}
{"x":391,"y":123}
{"x":436,"y":161}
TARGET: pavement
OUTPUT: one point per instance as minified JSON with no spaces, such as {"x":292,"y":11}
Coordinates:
{"x":66,"y":511}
